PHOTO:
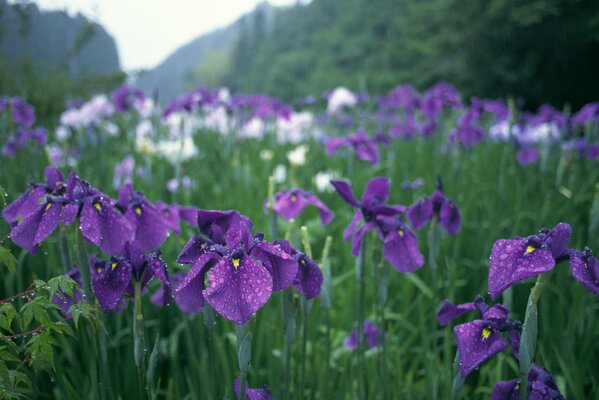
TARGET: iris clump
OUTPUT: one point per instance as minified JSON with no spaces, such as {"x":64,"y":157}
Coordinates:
{"x":436,"y":207}
{"x":372,"y":335}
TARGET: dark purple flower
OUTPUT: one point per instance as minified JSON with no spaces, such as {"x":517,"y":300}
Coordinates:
{"x":112,"y":279}
{"x":372,"y":205}
{"x":481,"y":339}
{"x":585,"y":268}
{"x":242,"y":270}
{"x":23,"y":113}
{"x":308,"y":280}
{"x":514,"y":260}
{"x":364,"y":146}
{"x":290,"y":203}
{"x":528,"y":155}
{"x":148,"y":222}
{"x":540,"y":387}
{"x":65,"y":301}
{"x":437,"y":206}
{"x":253,"y":394}
{"x":439,"y":96}
{"x":125,"y":98}
{"x":400,"y":244}
{"x":371,"y":334}
{"x":158,"y":297}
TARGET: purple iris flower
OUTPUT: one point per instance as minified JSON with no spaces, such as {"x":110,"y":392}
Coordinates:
{"x":481,"y":339}
{"x":65,"y":301}
{"x":435,"y":206}
{"x":439,"y":96}
{"x":242,"y":272}
{"x":372,"y":205}
{"x":37,"y":213}
{"x":125,"y":98}
{"x":540,"y":387}
{"x":588,"y":113}
{"x":585,"y":268}
{"x":371,"y":333}
{"x":23,"y":113}
{"x":308,"y":280}
{"x":402,"y":96}
{"x":528,"y":155}
{"x":514,"y":260}
{"x":148,"y":222}
{"x":253,"y":394}
{"x":364,"y":146}
{"x":111,"y":280}
{"x":290,"y":203}
{"x":400,"y":245}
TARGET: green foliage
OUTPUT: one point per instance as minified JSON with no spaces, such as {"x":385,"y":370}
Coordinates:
{"x":30,"y":328}
{"x":542,"y":50}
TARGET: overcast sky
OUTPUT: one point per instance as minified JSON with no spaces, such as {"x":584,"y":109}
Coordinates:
{"x":147,"y":31}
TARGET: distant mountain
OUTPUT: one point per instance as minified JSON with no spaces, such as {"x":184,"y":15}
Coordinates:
{"x":54,"y":39}
{"x":205,"y":60}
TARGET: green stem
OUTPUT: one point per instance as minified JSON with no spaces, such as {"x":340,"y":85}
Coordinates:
{"x":139,"y":342}
{"x":289,"y":327}
{"x":529,"y":334}
{"x":244,"y":355}
{"x":360,"y":266}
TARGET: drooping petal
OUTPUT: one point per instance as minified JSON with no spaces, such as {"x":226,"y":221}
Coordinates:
{"x":560,"y":235}
{"x":69,"y":213}
{"x":157,"y":297}
{"x":367,"y":151}
{"x":309,"y":278}
{"x":109,"y":284}
{"x":476,"y":344}
{"x":497,"y":312}
{"x":149,"y":225}
{"x":345,"y":191}
{"x":333,"y":144}
{"x":105,"y":227}
{"x":158,"y":268}
{"x":281,"y":265}
{"x":513,"y":261}
{"x":237,"y":292}
{"x":326,"y":215}
{"x":376,"y":192}
{"x":450,"y":217}
{"x":357,"y":238}
{"x":23,"y":205}
{"x":420,"y":213}
{"x":351,"y":228}
{"x":586,"y":271}
{"x":189,"y":293}
{"x":36,"y":227}
{"x":449,"y":311}
{"x":401,"y":250}
{"x":189,"y":215}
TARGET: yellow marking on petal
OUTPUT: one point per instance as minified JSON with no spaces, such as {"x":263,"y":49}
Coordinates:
{"x":166,"y":213}
{"x":486,"y":333}
{"x":113,"y":265}
{"x":98,"y":269}
{"x":530,"y":249}
{"x":236,"y":262}
{"x":202,"y":246}
{"x":517,"y":387}
{"x":98,"y":206}
{"x":401,"y":233}
{"x":48,"y":206}
{"x":293,"y":197}
{"x":137,"y":210}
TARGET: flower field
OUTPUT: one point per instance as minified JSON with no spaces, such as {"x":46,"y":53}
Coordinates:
{"x":356,"y":246}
